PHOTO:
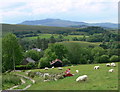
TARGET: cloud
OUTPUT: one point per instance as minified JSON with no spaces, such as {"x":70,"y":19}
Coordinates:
{"x":30,"y":8}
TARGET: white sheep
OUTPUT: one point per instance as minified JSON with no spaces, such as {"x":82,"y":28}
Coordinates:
{"x":77,"y":71}
{"x":113,"y":64}
{"x":108,"y":65}
{"x":46,"y":68}
{"x":111,"y":70}
{"x":82,"y":78}
{"x":60,"y":68}
{"x":71,"y":65}
{"x":53,"y":67}
{"x":96,"y":67}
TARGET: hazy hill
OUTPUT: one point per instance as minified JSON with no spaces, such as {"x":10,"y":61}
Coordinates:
{"x":66,"y":23}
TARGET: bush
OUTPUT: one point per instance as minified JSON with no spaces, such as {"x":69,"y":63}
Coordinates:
{"x":24,"y":67}
{"x":8,"y":79}
{"x":104,"y":59}
{"x":114,"y":58}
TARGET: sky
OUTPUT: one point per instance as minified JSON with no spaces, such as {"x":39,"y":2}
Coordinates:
{"x":90,"y":11}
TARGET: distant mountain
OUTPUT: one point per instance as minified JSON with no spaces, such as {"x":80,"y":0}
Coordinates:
{"x":106,"y":25}
{"x":66,"y":23}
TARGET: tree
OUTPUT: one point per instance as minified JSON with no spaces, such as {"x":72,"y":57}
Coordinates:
{"x":104,"y":59}
{"x":44,"y":62}
{"x":114,"y":58}
{"x":12,"y":52}
{"x":52,"y":39}
{"x":35,"y":55}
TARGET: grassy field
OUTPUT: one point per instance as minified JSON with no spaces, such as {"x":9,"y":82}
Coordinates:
{"x":97,"y":79}
{"x":80,"y":43}
{"x":55,"y":35}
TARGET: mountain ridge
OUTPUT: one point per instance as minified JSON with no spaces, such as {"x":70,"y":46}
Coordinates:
{"x":66,"y":23}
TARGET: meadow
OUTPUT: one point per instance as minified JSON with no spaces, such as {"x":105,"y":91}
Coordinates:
{"x":55,"y":36}
{"x":99,"y":79}
{"x":80,"y":43}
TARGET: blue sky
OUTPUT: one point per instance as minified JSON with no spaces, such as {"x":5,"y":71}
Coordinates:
{"x":91,"y":11}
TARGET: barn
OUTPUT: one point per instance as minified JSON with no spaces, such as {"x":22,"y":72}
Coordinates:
{"x":56,"y":63}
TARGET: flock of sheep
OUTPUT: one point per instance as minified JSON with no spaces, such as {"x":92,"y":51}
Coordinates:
{"x":85,"y":77}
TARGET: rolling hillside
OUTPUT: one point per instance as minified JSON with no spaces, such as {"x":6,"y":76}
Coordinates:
{"x":33,"y":28}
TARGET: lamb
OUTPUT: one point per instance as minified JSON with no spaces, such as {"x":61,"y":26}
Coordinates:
{"x":77,"y":71}
{"x":108,"y":65}
{"x":96,"y":67}
{"x":60,"y":68}
{"x":46,"y":68}
{"x":82,"y":78}
{"x":111,"y":70}
{"x":113,"y":64}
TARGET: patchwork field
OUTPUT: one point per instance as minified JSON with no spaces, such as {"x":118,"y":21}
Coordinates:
{"x":99,"y":79}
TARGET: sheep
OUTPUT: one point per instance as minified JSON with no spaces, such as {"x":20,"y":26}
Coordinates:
{"x":111,"y":70}
{"x":53,"y":67}
{"x":108,"y":65}
{"x":71,"y":65}
{"x":96,"y":67}
{"x":82,"y":78}
{"x":60,"y":68}
{"x":113,"y":64}
{"x":77,"y":71}
{"x":46,"y":68}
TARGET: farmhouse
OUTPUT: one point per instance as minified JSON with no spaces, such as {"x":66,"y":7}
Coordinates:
{"x":56,"y":63}
{"x":27,"y":60}
{"x":39,"y":50}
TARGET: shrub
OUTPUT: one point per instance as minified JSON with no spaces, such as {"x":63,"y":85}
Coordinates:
{"x":24,"y":67}
{"x":114,"y":58}
{"x":10,"y":79}
{"x":104,"y":59}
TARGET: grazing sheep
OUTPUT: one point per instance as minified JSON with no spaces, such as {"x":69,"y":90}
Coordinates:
{"x":82,"y":78}
{"x":96,"y":67}
{"x":108,"y":65}
{"x":111,"y":70}
{"x":71,"y":65}
{"x":77,"y":71}
{"x":53,"y":67}
{"x":46,"y":68}
{"x":60,"y":68}
{"x":113,"y":64}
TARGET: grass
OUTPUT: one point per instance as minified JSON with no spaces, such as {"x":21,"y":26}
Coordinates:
{"x":80,"y":43}
{"x":55,"y":35}
{"x":9,"y":80}
{"x":97,"y":79}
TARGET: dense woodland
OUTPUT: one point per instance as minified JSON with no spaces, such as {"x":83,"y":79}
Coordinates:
{"x":15,"y":46}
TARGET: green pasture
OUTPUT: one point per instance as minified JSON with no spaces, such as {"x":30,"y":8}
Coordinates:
{"x":97,"y":79}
